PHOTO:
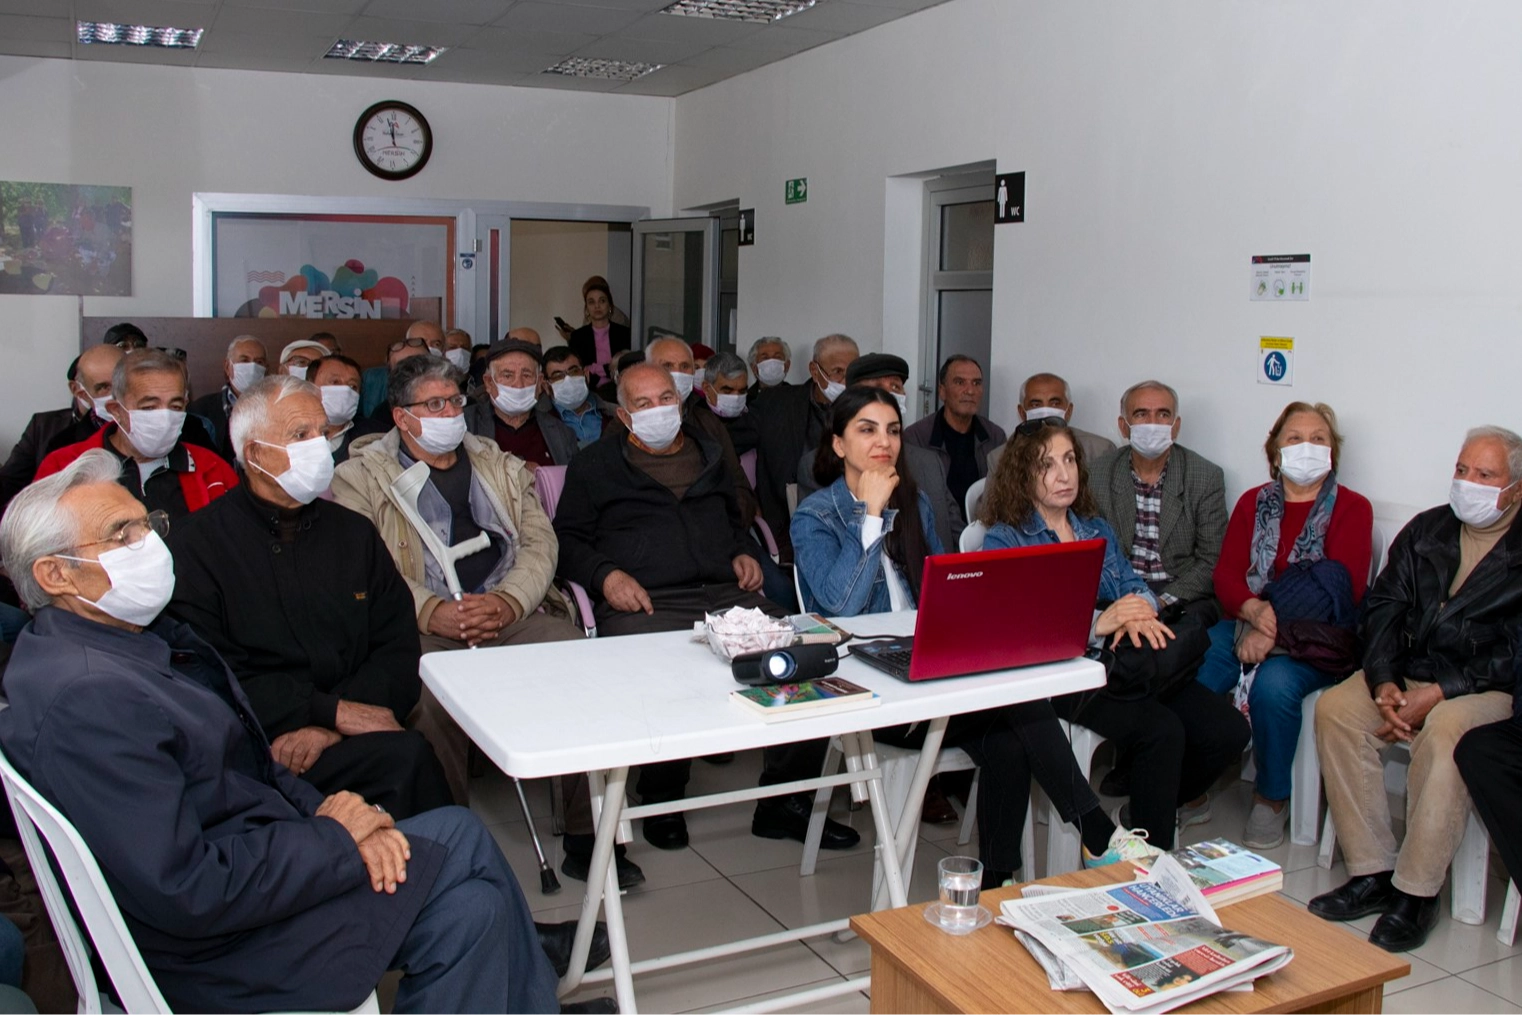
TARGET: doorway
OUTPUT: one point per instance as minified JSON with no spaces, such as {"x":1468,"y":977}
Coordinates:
{"x":550,"y":260}
{"x":959,"y":277}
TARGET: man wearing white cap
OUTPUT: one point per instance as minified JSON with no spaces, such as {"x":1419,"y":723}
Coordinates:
{"x":300,"y":355}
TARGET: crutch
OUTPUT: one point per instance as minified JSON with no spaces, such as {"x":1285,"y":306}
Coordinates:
{"x":406,"y":488}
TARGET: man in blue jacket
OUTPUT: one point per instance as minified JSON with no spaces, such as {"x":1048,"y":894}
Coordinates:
{"x":244,"y":888}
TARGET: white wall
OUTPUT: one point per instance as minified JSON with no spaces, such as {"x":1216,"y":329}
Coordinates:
{"x":1165,"y":143}
{"x":169,"y":132}
{"x":550,"y":261}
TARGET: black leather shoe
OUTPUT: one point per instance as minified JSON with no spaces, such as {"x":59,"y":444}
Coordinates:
{"x":1365,"y":894}
{"x":723,"y":758}
{"x":557,"y":938}
{"x":576,"y":866}
{"x":1406,"y":923}
{"x":1117,"y":781}
{"x":666,"y":831}
{"x":788,"y":818}
{"x":591,"y":1006}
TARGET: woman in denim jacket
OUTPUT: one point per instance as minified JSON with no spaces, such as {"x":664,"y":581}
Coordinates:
{"x":1040,"y":494}
{"x":860,"y":546}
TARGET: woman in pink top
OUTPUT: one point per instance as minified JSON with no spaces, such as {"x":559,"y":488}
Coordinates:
{"x":598,"y":343}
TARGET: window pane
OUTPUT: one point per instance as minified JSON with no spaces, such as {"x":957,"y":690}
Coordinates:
{"x":967,"y":236}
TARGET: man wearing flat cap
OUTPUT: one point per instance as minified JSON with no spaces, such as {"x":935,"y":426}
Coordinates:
{"x":889,"y":372}
{"x":515,"y":414}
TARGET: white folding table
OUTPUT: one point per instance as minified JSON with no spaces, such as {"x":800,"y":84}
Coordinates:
{"x":620,"y":702}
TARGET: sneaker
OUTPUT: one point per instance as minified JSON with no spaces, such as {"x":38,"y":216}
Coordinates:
{"x":1125,"y":844}
{"x":1188,"y":815}
{"x":1265,"y":826}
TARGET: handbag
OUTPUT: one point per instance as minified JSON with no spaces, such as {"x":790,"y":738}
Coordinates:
{"x":1133,"y":673}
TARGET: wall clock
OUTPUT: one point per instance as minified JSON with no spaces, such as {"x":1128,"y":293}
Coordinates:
{"x":393,"y":140}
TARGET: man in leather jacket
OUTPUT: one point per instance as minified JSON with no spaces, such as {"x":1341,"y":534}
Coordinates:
{"x":1438,"y":661}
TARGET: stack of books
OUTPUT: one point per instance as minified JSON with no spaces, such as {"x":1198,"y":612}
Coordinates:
{"x":1225,"y":872}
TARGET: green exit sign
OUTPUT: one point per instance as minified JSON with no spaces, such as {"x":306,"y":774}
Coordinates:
{"x":797,"y":190}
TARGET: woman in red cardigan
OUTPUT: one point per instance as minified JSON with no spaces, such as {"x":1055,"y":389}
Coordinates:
{"x":1301,"y":516}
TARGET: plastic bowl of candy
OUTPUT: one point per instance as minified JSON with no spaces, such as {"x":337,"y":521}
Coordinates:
{"x":738,"y":631}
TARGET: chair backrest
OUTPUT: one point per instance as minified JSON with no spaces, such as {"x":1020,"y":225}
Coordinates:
{"x":971,"y":539}
{"x":87,"y":886}
{"x":748,"y":463}
{"x":549,"y":480}
{"x":974,"y":496}
{"x":1378,"y":544}
{"x":798,"y":589}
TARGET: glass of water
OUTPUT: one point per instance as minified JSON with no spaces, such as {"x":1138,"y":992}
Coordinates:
{"x":961,"y":882}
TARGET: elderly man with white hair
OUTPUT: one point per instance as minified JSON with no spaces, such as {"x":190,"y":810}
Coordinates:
{"x":245,"y":363}
{"x":300,"y":598}
{"x":1439,"y":636}
{"x":770,"y":359}
{"x":245,"y":889}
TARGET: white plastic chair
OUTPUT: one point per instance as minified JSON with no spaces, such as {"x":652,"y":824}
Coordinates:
{"x":971,"y":539}
{"x":1507,"y":932}
{"x":87,"y":887}
{"x":1064,"y":843}
{"x":974,"y":495}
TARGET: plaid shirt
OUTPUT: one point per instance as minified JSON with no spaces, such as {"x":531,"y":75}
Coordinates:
{"x":1146,"y":555}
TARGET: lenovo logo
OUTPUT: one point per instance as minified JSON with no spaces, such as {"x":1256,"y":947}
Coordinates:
{"x":965,"y":574}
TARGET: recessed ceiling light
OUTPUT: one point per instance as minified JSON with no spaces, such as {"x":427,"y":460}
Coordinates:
{"x":111,"y":34}
{"x":612,"y":70}
{"x":382,"y":52}
{"x":739,"y":10}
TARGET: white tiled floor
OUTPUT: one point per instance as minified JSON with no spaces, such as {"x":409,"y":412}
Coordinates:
{"x":728,"y":884}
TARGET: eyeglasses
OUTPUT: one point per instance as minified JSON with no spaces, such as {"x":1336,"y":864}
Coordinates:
{"x":1032,"y":427}
{"x":438,"y":404}
{"x":408,"y":343}
{"x":135,"y":533}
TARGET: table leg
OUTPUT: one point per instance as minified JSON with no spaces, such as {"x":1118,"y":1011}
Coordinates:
{"x":607,"y":789}
{"x":909,"y":819}
{"x":887,"y":852}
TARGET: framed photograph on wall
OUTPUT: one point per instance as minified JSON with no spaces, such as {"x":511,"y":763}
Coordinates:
{"x":65,"y":239}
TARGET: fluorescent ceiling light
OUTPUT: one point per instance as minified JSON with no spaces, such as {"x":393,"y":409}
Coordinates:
{"x":111,"y":34}
{"x":612,"y":70}
{"x":739,"y":10}
{"x":382,"y":52}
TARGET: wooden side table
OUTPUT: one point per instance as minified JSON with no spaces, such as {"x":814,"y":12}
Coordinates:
{"x":918,"y":968}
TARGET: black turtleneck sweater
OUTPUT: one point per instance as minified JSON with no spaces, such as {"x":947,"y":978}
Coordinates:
{"x":305,"y":606}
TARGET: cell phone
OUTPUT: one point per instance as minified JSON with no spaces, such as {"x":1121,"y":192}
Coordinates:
{"x":560,"y":321}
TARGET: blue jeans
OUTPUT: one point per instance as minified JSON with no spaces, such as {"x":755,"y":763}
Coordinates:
{"x":1274,"y":704}
{"x":473,"y":948}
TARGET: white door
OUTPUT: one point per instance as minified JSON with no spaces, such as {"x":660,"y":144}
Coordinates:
{"x":676,"y":280}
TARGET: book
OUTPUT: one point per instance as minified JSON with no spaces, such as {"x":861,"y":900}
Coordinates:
{"x":779,"y":702}
{"x":1225,"y":872}
{"x":815,"y":630}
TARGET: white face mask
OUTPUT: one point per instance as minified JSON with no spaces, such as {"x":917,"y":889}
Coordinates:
{"x":1475,"y":504}
{"x":1045,"y":412}
{"x":1305,"y":463}
{"x":832,"y":390}
{"x":98,"y":405}
{"x":245,"y":374}
{"x":683,"y":384}
{"x":435,"y":351}
{"x":441,"y":434}
{"x":729,"y":406}
{"x":656,"y":428}
{"x":142,"y":581}
{"x":340,"y":402}
{"x":570,"y":391}
{"x":310,"y":471}
{"x":903,"y":403}
{"x":298,"y":372}
{"x":770,"y":372}
{"x":459,"y":357}
{"x":515,"y":401}
{"x":154,"y":432}
{"x":1151,"y":440}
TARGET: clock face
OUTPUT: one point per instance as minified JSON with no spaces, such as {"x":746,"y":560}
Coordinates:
{"x":393,"y":140}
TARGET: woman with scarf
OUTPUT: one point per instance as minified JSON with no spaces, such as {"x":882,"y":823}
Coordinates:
{"x":1301,"y":517}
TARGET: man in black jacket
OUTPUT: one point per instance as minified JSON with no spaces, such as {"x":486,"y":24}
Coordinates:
{"x":649,"y":525}
{"x":89,"y":378}
{"x":246,"y":362}
{"x":300,"y":597}
{"x":1439,"y":658}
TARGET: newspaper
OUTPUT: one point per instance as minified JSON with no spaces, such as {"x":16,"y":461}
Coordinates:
{"x":1149,"y":946}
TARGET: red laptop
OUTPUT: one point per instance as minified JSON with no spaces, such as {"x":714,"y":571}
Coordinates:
{"x":996,"y":609}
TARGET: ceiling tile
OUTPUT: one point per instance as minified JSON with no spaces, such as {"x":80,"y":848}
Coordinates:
{"x":262,"y":21}
{"x":411,"y":33}
{"x":621,"y":47}
{"x":366,"y":69}
{"x":671,"y":81}
{"x":552,"y":17}
{"x":503,"y":40}
{"x":137,"y":54}
{"x":674,"y":28}
{"x":490,"y":63}
{"x":26,"y":29}
{"x":159,"y":13}
{"x":53,"y":9}
{"x":734,"y":61}
{"x":571,"y":84}
{"x":783,"y":41}
{"x":282,"y":48}
{"x":316,"y":6}
{"x":902,"y":5}
{"x":235,"y":60}
{"x":841,"y":16}
{"x":11,"y":46}
{"x":644,"y":6}
{"x":457,"y":12}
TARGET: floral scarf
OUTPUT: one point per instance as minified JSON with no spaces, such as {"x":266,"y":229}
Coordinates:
{"x":1309,"y":545}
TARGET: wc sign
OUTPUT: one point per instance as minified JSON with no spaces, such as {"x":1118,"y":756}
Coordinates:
{"x":1276,"y":361}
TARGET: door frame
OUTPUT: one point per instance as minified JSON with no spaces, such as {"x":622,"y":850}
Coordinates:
{"x":961,"y":188}
{"x":708,"y":225}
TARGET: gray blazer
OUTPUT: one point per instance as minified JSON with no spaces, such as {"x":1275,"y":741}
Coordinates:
{"x":929,"y":472}
{"x":1193,"y":519}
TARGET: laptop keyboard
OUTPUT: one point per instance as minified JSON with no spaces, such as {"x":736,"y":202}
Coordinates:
{"x":896,"y":658}
{"x":891,"y":657}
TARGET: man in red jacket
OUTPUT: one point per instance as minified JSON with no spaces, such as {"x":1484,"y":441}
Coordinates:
{"x":147,"y":406}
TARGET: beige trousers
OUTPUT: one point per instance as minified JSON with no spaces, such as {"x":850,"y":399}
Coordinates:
{"x":429,"y":717}
{"x":1437,"y":804}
